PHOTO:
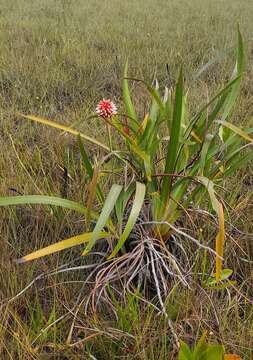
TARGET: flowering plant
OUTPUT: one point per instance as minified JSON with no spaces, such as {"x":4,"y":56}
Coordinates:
{"x":106,"y":109}
{"x":169,"y":161}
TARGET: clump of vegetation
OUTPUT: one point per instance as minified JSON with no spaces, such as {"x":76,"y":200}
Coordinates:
{"x":162,"y":169}
{"x":167,"y":163}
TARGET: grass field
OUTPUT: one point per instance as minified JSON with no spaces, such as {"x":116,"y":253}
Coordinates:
{"x":57,"y":59}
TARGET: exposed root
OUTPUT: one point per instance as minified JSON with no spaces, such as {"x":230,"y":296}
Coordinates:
{"x":148,"y":266}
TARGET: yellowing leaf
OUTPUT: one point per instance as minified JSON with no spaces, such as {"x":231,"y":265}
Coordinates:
{"x":143,"y":124}
{"x":193,"y":134}
{"x":61,"y":245}
{"x":67,"y":129}
{"x":220,"y":238}
{"x":235,"y":129}
{"x":220,"y":242}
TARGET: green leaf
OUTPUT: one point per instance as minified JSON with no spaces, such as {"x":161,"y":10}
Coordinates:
{"x":86,"y":162}
{"x":168,"y":109}
{"x":213,"y":352}
{"x":184,"y":352}
{"x":122,"y":201}
{"x":104,"y":216}
{"x":174,"y":140}
{"x":205,"y":121}
{"x":204,"y":151}
{"x":91,"y":196}
{"x":42,"y":199}
{"x":239,"y":163}
{"x":153,"y":92}
{"x":128,"y":102}
{"x":221,"y":95}
{"x":209,"y":185}
{"x":154,"y":106}
{"x":89,"y":168}
{"x":222,"y":285}
{"x":200,"y":347}
{"x":225,"y":274}
{"x":134,"y":147}
{"x":61,"y":245}
{"x":231,"y":99}
{"x":136,"y":208}
{"x":148,"y":168}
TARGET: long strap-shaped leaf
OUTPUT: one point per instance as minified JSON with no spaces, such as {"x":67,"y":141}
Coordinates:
{"x":42,"y":199}
{"x":174,"y":139}
{"x":220,"y":238}
{"x":231,"y":99}
{"x":61,"y":245}
{"x":70,"y":130}
{"x":220,"y":94}
{"x":152,"y":90}
{"x":64,"y":128}
{"x":88,"y":166}
{"x":135,"y":148}
{"x":136,"y":208}
{"x":91,"y":196}
{"x":128,"y":102}
{"x":104,"y":216}
{"x":235,"y":129}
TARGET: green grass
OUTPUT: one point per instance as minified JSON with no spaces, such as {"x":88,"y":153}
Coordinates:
{"x":57,"y":58}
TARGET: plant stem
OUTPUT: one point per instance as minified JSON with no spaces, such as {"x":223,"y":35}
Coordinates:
{"x":108,"y":127}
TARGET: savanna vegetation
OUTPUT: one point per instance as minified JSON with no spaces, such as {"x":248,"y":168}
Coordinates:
{"x":157,"y":192}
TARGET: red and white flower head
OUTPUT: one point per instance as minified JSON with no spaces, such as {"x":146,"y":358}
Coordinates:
{"x":106,"y":108}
